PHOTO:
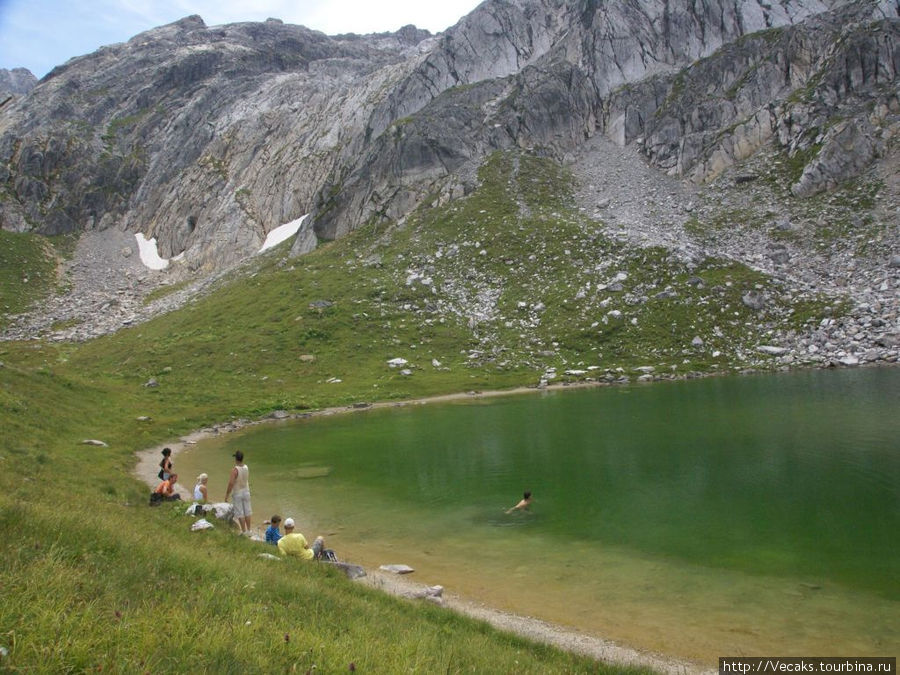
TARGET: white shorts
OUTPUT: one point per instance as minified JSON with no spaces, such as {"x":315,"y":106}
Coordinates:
{"x":241,"y":501}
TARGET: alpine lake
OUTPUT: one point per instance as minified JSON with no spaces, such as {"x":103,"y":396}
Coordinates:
{"x":716,"y":517}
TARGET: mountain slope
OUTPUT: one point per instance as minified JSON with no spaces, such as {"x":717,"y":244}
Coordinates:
{"x":210,"y":137}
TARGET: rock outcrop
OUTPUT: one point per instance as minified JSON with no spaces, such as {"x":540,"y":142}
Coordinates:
{"x":825,"y":90}
{"x":15,"y":81}
{"x":205,"y":138}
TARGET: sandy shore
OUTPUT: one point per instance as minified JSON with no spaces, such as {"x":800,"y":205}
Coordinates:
{"x":529,"y":627}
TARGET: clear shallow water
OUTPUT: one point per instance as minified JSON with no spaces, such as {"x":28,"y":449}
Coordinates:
{"x":721,"y":516}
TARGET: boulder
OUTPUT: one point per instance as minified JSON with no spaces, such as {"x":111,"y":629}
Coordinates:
{"x":221,"y":510}
{"x":754,"y":299}
{"x":397,"y":569}
{"x":352,"y":571}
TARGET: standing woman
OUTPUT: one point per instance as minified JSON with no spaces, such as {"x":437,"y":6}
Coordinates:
{"x":239,"y":485}
{"x":165,"y":465}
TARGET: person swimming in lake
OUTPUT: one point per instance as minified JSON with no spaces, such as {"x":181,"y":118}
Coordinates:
{"x":523,"y":504}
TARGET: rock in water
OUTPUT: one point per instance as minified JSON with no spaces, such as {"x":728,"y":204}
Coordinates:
{"x":397,"y":569}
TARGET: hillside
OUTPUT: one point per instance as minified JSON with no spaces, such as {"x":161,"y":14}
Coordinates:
{"x":549,"y":192}
{"x":768,"y":141}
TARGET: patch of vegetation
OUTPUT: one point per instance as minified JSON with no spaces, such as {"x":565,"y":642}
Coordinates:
{"x":119,"y":124}
{"x":677,"y":89}
{"x":725,"y":219}
{"x":798,"y":161}
{"x":64,"y":244}
{"x":63,"y":325}
{"x":27,"y":272}
{"x":217,"y":166}
{"x":812,"y":310}
{"x":163,"y":291}
{"x":846,"y":215}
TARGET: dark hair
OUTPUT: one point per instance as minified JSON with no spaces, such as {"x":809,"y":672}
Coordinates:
{"x":527,"y":494}
{"x":166,"y":452}
{"x":275,"y":519}
{"x":239,"y":456}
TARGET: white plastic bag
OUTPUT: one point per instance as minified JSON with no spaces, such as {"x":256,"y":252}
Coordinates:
{"x":202,"y":524}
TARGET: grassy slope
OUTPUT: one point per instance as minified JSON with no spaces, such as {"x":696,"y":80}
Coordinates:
{"x":27,"y":270}
{"x":91,"y":577}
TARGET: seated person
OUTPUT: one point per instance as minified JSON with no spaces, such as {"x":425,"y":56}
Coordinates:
{"x":200,"y":490}
{"x":294,"y":543}
{"x":165,"y":491}
{"x":273,"y":534}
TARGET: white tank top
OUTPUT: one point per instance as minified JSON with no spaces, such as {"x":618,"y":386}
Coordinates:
{"x":242,"y":482}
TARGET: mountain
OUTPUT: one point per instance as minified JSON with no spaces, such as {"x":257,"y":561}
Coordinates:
{"x":762,"y":132}
{"x":210,"y":137}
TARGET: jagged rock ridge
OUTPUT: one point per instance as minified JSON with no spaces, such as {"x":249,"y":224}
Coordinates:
{"x":15,"y":81}
{"x":209,"y":137}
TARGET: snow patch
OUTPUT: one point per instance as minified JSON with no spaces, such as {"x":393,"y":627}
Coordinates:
{"x":282,"y":232}
{"x":149,"y":253}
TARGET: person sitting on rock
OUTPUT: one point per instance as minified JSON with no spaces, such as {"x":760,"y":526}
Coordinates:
{"x":165,"y":491}
{"x":294,"y":544}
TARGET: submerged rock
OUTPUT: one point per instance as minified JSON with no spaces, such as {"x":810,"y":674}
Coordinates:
{"x":397,"y":569}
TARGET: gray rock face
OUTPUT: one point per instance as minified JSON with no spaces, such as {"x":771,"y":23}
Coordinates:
{"x":16,"y":81}
{"x":557,"y":71}
{"x":207,"y":138}
{"x":810,"y":87}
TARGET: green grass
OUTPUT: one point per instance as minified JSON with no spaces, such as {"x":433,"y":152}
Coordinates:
{"x":27,"y":272}
{"x":163,"y":291}
{"x":93,"y":578}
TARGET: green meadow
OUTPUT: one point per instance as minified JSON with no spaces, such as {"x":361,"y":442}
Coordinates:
{"x":488,"y":292}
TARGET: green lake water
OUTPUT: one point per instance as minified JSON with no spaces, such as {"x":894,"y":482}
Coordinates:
{"x":722,"y":516}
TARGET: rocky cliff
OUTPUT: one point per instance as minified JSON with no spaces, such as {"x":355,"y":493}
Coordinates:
{"x":210,"y":137}
{"x":206,"y":138}
{"x":15,"y":81}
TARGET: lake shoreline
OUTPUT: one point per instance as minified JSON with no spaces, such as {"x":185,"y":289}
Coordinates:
{"x":147,"y":468}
